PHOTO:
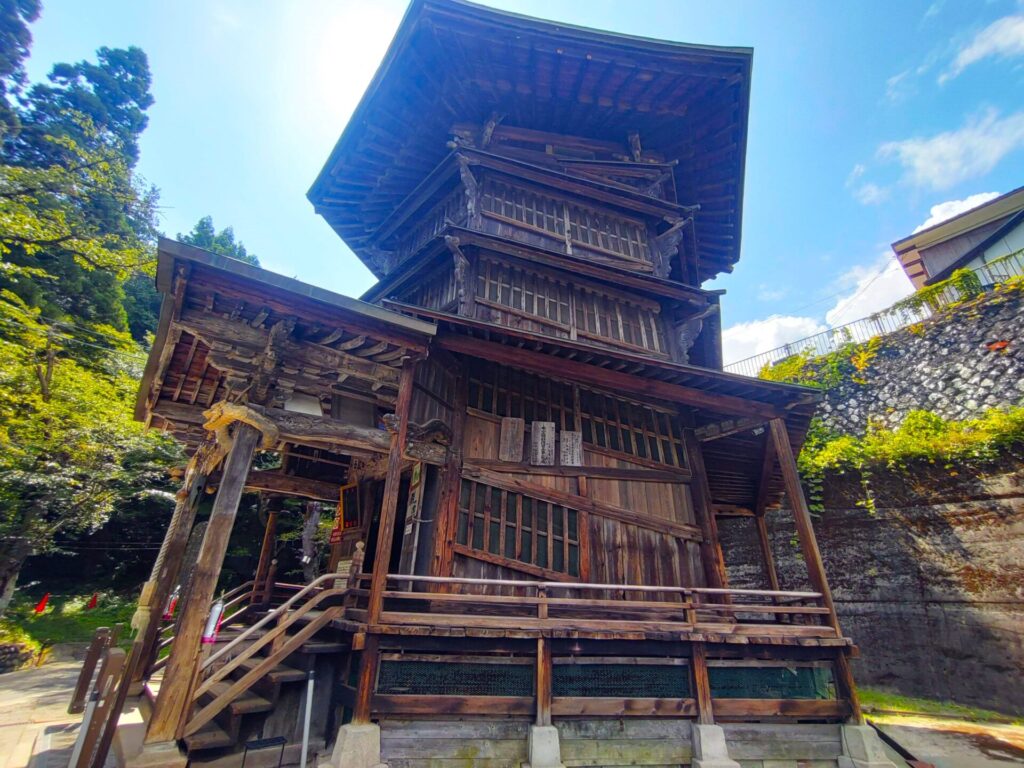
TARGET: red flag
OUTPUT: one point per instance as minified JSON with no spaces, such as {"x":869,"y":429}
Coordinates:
{"x":92,"y":601}
{"x":41,"y":605}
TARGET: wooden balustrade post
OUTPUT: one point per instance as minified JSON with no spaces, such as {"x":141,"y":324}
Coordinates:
{"x":802,"y":518}
{"x":544,"y":672}
{"x":702,"y":684}
{"x":173,"y":702}
{"x":167,"y":568}
{"x":389,"y":505}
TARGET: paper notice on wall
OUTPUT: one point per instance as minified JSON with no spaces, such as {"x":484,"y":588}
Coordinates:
{"x":542,"y":443}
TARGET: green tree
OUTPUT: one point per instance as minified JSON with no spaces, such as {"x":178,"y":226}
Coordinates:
{"x":205,"y":235}
{"x":15,"y":40}
{"x":70,"y":451}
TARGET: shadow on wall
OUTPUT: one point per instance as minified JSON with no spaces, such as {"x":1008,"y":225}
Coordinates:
{"x":930,"y":585}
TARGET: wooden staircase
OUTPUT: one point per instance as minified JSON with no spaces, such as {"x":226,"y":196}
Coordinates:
{"x":253,"y":682}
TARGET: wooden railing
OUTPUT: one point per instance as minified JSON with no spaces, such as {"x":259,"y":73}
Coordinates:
{"x":602,"y":607}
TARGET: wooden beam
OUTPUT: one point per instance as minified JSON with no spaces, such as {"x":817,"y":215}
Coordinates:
{"x":174,"y":700}
{"x":260,"y":588}
{"x":703,"y":508}
{"x":767,"y":471}
{"x":314,"y":431}
{"x":291,"y":485}
{"x":219,"y":332}
{"x":802,"y":517}
{"x":603,"y":378}
{"x":767,"y":556}
{"x":389,"y":504}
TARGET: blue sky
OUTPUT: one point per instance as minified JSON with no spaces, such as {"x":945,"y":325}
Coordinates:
{"x":867,"y":120}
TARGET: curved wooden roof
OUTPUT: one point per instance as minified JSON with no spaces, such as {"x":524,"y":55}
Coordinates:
{"x":453,"y":61}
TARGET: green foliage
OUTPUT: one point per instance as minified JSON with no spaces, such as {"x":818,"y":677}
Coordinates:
{"x":877,"y":701}
{"x":66,"y":620}
{"x":848,"y":363}
{"x":205,"y":235}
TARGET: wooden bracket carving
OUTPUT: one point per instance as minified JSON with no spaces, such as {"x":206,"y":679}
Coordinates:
{"x":472,"y":191}
{"x":461,"y":267}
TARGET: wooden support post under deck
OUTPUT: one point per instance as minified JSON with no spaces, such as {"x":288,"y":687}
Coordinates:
{"x":368,"y":661}
{"x":702,"y":684}
{"x":710,"y":549}
{"x":173,"y":702}
{"x":389,"y":504}
{"x":802,"y":517}
{"x":167,"y":568}
{"x":544,"y":671}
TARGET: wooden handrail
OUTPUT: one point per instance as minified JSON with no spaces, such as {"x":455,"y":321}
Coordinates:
{"x":547,"y":585}
{"x":294,"y":642}
{"x":271,"y":616}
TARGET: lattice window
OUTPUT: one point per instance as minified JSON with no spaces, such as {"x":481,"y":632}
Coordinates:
{"x":630,"y":428}
{"x":570,"y":311}
{"x":517,"y":527}
{"x":588,"y":228}
{"x":503,"y":391}
{"x":607,"y":422}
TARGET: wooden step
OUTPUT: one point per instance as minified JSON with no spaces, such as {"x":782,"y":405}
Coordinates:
{"x":277,"y":675}
{"x":320,"y":646}
{"x":247,"y":702}
{"x":210,"y":736}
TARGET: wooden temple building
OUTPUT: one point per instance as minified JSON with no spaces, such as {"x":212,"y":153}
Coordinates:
{"x":524,"y":427}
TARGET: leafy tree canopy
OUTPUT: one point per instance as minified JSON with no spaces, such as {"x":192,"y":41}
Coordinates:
{"x":15,"y":39}
{"x":205,"y":235}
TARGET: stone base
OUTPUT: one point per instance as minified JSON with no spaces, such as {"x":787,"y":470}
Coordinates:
{"x":129,"y":735}
{"x":709,"y":749}
{"x":862,"y":748}
{"x":543,"y":748}
{"x":357,"y":746}
{"x":164,"y":754}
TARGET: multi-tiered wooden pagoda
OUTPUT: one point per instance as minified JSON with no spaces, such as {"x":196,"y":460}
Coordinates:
{"x":524,"y":425}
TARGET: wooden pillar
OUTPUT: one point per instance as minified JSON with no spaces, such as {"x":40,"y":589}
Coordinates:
{"x":173,"y":702}
{"x":260,"y":588}
{"x":444,"y":532}
{"x":392,"y":481}
{"x":802,"y":516}
{"x":767,"y":556}
{"x":544,"y":672}
{"x":710,"y":550}
{"x":167,"y":568}
{"x":845,"y":686}
{"x":368,"y":661}
{"x":702,"y":684}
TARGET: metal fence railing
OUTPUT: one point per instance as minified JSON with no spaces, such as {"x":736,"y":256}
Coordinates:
{"x":899,"y":315}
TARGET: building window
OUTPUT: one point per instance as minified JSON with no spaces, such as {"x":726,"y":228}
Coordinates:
{"x":516,"y":527}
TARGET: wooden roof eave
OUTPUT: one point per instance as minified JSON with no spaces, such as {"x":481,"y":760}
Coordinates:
{"x":727,"y":390}
{"x":175,"y":263}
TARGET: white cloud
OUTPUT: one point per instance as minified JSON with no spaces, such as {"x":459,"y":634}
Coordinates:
{"x":1003,"y":38}
{"x":766,"y":292}
{"x":871,"y":194}
{"x":948,"y":158}
{"x":745,"y":340}
{"x":947,"y":210}
{"x":861,"y":291}
{"x":873,"y":287}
